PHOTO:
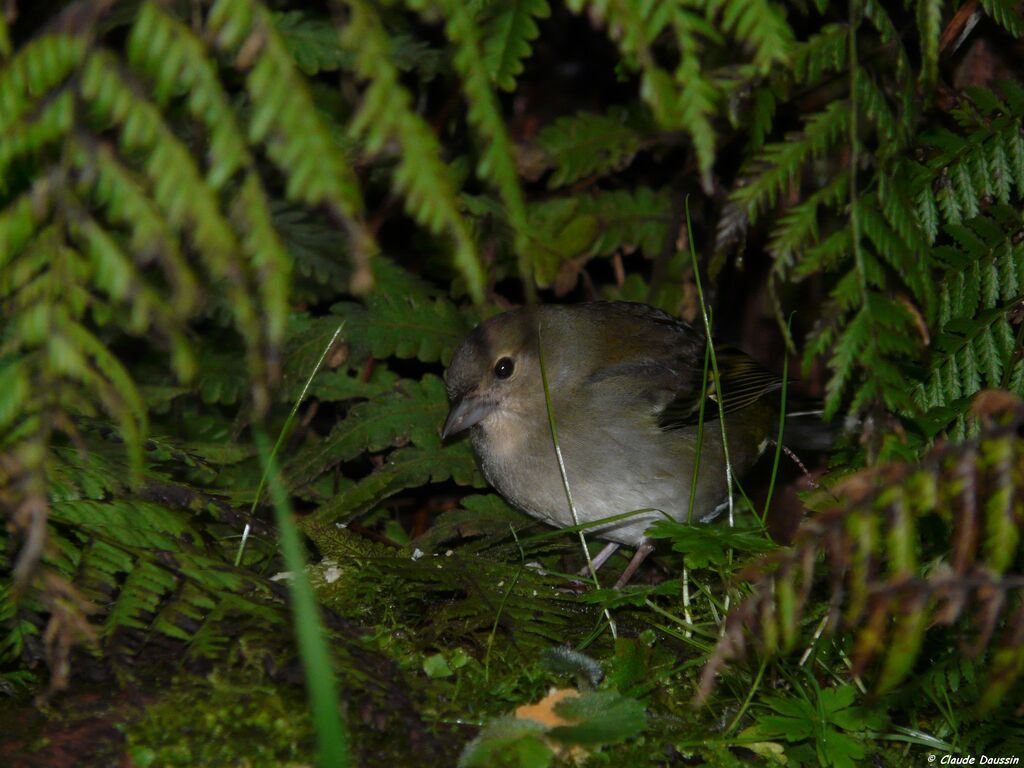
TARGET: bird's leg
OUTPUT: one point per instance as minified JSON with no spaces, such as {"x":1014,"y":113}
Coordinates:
{"x":645,"y":548}
{"x":599,"y":559}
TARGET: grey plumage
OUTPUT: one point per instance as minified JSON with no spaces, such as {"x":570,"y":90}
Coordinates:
{"x":625,"y":383}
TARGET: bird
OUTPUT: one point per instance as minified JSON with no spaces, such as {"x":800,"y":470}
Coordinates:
{"x":626,"y":382}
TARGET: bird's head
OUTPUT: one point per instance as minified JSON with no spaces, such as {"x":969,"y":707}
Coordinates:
{"x":494,"y":376}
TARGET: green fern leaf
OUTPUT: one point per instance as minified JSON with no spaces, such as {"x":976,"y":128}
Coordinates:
{"x":759,"y":24}
{"x":1006,"y":14}
{"x":39,"y":66}
{"x":386,"y":115}
{"x":404,"y":318}
{"x":314,"y":247}
{"x":405,"y":468}
{"x":497,"y":156}
{"x":823,"y":52}
{"x":412,"y":412}
{"x":175,"y":59}
{"x":778,"y":164}
{"x":589,"y":145}
{"x":312,"y":42}
{"x":286,"y":121}
{"x":507,"y":36}
{"x":797,"y":229}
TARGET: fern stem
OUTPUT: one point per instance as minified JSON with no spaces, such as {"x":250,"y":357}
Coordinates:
{"x":858,"y":254}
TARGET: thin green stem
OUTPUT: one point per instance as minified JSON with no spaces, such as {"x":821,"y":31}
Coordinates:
{"x":706,"y":317}
{"x":501,"y":606}
{"x":565,"y":479}
{"x":331,"y":733}
{"x":700,"y":432}
{"x":782,"y":424}
{"x":688,"y":626}
{"x":750,"y":697}
{"x":285,"y":430}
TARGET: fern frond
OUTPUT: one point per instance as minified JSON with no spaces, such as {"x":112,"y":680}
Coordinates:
{"x":893,"y":249}
{"x":778,"y":164}
{"x":404,"y":468}
{"x":39,"y":67}
{"x":386,"y":115}
{"x":265,"y":252}
{"x":685,"y":100}
{"x":507,"y":36}
{"x":178,"y":188}
{"x":175,"y":60}
{"x":569,"y":231}
{"x":106,"y":181}
{"x":797,"y":228}
{"x":874,"y":540}
{"x":312,"y":42}
{"x":313,"y":245}
{"x":404,"y":318}
{"x":880,"y":336}
{"x":760,"y":25}
{"x":28,"y":139}
{"x":823,"y":52}
{"x":117,"y":566}
{"x":968,"y":355}
{"x":497,"y":162}
{"x":987,"y":160}
{"x":892,"y":130}
{"x":1006,"y":14}
{"x":285,"y":120}
{"x":589,"y":145}
{"x":410,"y":412}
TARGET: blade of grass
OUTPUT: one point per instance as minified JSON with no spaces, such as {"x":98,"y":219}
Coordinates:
{"x":565,"y":480}
{"x":719,"y":391}
{"x":693,"y":478}
{"x":750,"y":697}
{"x":504,"y":599}
{"x":285,"y":430}
{"x":782,"y":423}
{"x":331,"y":734}
{"x":719,"y":398}
{"x":700,"y":432}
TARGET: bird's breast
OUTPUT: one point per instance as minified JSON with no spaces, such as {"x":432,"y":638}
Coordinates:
{"x":610,"y":471}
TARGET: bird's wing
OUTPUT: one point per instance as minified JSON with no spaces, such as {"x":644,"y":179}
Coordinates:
{"x":651,"y":363}
{"x":743,"y":382}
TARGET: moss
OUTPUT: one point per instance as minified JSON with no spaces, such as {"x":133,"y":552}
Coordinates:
{"x":221,"y":721}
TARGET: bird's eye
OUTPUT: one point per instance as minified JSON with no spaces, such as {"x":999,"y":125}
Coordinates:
{"x":504,"y":367}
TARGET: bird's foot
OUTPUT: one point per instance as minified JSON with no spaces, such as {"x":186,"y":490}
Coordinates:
{"x":639,"y":556}
{"x":599,"y":559}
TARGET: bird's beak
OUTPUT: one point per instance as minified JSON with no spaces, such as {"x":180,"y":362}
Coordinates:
{"x":468,"y":410}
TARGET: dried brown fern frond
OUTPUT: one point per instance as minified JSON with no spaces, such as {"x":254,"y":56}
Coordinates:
{"x":904,"y":548}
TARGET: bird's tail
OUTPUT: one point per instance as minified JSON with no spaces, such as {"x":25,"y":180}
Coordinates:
{"x":805,"y":430}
